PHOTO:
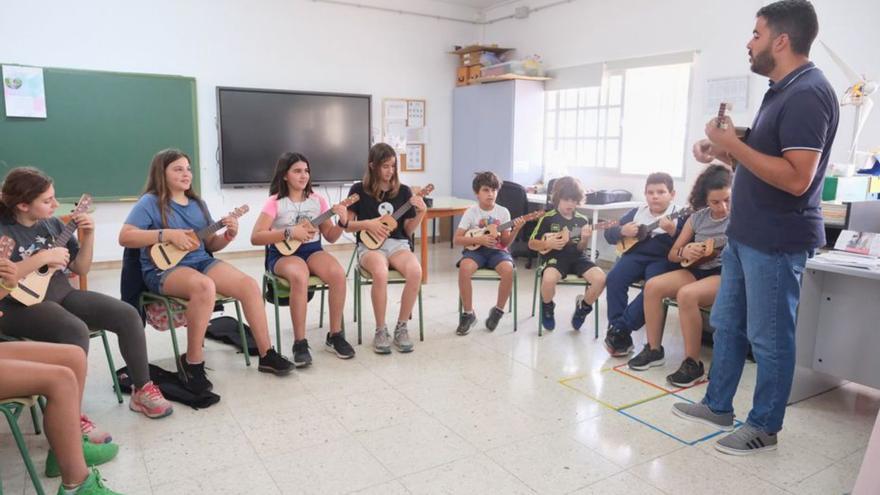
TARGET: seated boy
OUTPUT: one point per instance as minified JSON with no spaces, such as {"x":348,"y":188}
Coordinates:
{"x":566,"y":257}
{"x":646,"y":259}
{"x":491,"y":250}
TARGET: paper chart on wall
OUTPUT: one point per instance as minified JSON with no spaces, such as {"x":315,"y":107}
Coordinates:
{"x":395,"y":134}
{"x":414,"y":159}
{"x":24,"y":91}
{"x":415,"y":113}
{"x":395,"y":110}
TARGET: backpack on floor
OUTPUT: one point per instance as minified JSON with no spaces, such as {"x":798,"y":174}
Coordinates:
{"x":224,"y":329}
{"x":171,"y":386}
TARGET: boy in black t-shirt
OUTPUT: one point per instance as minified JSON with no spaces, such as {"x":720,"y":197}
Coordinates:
{"x":566,"y":256}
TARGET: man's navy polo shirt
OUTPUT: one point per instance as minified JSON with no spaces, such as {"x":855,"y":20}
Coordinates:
{"x":799,"y":112}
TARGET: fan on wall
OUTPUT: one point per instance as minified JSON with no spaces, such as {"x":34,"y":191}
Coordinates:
{"x":858,"y":94}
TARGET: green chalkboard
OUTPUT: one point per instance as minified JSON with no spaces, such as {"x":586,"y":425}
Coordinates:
{"x":101,"y":130}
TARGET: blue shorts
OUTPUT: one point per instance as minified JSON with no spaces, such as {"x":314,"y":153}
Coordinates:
{"x":700,"y":273}
{"x":304,"y":251}
{"x":486,"y":257}
{"x":155,"y":279}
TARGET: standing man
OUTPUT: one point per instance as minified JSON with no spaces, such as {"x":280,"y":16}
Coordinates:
{"x":775,"y":224}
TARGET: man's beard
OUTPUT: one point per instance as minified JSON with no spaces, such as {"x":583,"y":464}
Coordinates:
{"x":763,"y":62}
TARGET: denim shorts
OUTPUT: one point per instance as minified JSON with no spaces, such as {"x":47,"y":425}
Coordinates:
{"x":486,"y":257}
{"x":155,"y":279}
{"x":304,"y":251}
{"x":389,"y":247}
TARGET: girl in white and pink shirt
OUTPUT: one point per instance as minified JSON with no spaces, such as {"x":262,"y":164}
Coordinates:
{"x":292,"y":200}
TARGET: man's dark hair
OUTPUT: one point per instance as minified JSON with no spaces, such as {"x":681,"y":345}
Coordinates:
{"x":797,"y":19}
{"x":488,"y":179}
{"x":660,"y":178}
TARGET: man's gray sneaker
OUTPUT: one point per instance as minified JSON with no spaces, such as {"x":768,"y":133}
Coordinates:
{"x":465,"y":322}
{"x":495,"y":315}
{"x":702,"y":414}
{"x":746,"y":440}
{"x":401,"y":338}
{"x":381,"y":341}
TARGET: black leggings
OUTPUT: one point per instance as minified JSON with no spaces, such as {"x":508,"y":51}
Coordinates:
{"x":69,"y":320}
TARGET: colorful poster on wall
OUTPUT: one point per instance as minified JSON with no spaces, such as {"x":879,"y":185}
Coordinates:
{"x":24,"y":91}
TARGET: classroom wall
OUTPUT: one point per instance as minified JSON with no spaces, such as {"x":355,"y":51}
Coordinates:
{"x":281,"y":44}
{"x":590,"y":31}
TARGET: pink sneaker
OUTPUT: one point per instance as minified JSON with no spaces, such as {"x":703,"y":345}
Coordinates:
{"x":149,"y":400}
{"x":90,"y":431}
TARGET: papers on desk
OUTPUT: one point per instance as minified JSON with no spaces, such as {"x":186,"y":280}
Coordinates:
{"x":853,"y":260}
{"x":854,"y":249}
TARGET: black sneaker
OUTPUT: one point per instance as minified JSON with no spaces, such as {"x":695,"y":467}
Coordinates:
{"x":275,"y":363}
{"x":465,"y":322}
{"x":548,"y":320}
{"x":495,"y":315}
{"x":337,"y":344}
{"x":648,"y":358}
{"x":688,"y":374}
{"x":193,"y":376}
{"x":581,"y":310}
{"x":619,"y":343}
{"x":301,"y":355}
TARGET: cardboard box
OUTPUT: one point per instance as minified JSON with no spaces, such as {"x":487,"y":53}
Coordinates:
{"x":474,"y":72}
{"x":461,"y":76}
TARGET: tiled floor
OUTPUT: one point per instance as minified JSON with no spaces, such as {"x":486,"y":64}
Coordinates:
{"x":487,"y":413}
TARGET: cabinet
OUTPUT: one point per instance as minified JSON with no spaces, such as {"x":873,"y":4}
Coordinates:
{"x":498,"y":127}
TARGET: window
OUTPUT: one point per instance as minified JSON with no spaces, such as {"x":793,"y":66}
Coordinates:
{"x":635,"y":122}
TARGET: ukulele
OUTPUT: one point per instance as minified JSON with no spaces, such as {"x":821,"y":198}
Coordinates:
{"x":166,"y":255}
{"x":32,"y":289}
{"x":390,"y":221}
{"x":7,"y":246}
{"x":711,"y":248}
{"x":495,"y":230}
{"x":566,"y":236}
{"x":289,"y":246}
{"x":627,"y":243}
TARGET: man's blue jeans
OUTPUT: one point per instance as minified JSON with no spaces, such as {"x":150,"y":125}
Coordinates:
{"x":757,"y":304}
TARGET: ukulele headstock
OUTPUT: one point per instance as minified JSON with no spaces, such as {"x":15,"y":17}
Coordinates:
{"x":241,"y":210}
{"x":83,"y":205}
{"x":426,"y":190}
{"x":723,"y":109}
{"x":354,"y":198}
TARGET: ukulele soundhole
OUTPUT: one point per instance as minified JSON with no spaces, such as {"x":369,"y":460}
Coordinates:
{"x":43,"y":270}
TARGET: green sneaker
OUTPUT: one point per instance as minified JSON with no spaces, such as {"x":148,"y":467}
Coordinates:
{"x":93,"y":485}
{"x":95,"y":454}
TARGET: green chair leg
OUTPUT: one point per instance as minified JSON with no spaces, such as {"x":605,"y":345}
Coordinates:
{"x":12,"y":412}
{"x":596,"y":319}
{"x":513,"y":299}
{"x":321,"y":317}
{"x":242,"y":335}
{"x":173,"y":331}
{"x":535,"y":289}
{"x":112,"y":365}
{"x":36,"y":420}
{"x":421,"y":318}
{"x":357,"y":304}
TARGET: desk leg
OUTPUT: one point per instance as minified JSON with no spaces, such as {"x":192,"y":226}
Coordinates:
{"x":452,"y":231}
{"x":424,"y":248}
{"x":593,"y":237}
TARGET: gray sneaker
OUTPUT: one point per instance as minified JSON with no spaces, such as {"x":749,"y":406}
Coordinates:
{"x":746,"y":440}
{"x":381,"y":344}
{"x":401,"y":338}
{"x":465,"y":322}
{"x":701,"y":413}
{"x":495,"y":315}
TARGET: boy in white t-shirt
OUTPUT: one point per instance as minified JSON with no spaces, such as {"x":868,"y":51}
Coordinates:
{"x":491,"y":250}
